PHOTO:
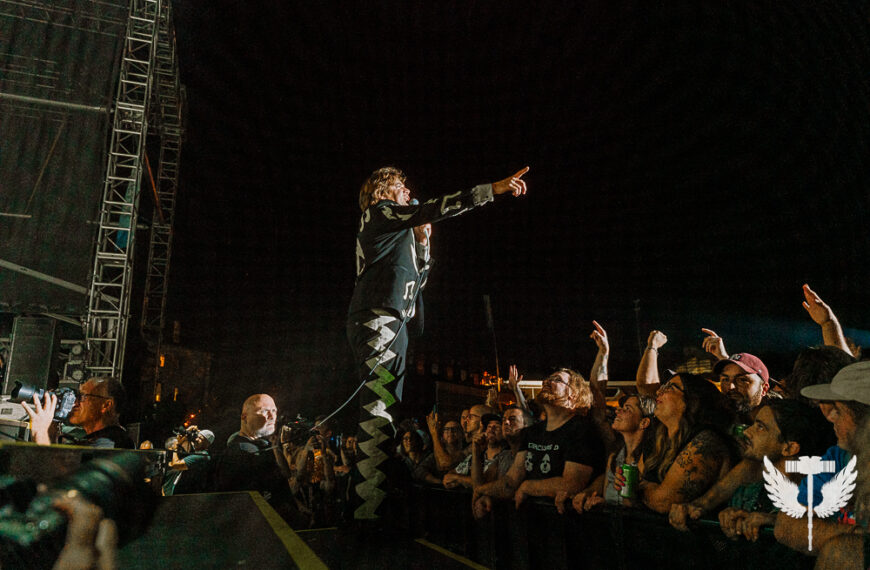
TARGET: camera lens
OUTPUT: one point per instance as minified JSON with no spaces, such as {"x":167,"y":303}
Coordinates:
{"x":24,"y":392}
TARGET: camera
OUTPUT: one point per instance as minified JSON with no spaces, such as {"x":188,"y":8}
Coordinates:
{"x":296,"y":430}
{"x":66,"y":398}
{"x":32,"y":532}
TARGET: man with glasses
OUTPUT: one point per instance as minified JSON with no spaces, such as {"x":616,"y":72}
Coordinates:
{"x":562,"y":454}
{"x":97,"y":411}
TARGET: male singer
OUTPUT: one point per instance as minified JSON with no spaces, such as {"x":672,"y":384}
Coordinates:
{"x":392,"y":262}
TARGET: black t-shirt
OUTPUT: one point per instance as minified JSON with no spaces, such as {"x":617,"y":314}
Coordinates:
{"x":249,"y":465}
{"x":577,"y":441}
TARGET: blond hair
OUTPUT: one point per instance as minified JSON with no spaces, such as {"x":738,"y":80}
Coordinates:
{"x":373,"y":189}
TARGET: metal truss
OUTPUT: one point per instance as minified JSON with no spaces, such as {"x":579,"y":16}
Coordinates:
{"x":95,"y":16}
{"x":168,"y":118}
{"x":111,"y":280}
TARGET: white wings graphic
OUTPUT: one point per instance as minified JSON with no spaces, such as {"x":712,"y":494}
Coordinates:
{"x":837,"y":492}
{"x":782,"y":492}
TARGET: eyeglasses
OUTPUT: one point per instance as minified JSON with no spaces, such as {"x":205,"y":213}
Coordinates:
{"x":82,"y":395}
{"x":668,"y":386}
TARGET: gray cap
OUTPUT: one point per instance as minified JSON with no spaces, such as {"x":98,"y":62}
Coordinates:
{"x":851,"y":384}
{"x":208,"y":434}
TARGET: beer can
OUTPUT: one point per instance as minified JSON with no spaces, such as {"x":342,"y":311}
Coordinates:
{"x":737,"y":431}
{"x":631,"y":474}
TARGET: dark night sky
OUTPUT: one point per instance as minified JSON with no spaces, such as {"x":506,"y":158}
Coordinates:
{"x":707,"y":160}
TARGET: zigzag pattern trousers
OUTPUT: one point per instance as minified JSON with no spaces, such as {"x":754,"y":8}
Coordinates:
{"x":379,"y":343}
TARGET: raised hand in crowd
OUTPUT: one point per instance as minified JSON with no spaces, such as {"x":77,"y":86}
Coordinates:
{"x":822,"y":315}
{"x":514,"y":378}
{"x":599,"y":367}
{"x":648,"y":381}
{"x":714,"y":344}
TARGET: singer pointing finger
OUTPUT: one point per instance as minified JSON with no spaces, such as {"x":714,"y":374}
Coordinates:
{"x":392,"y":263}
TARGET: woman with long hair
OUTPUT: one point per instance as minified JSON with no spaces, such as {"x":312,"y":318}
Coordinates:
{"x":690,"y":449}
{"x":415,"y":459}
{"x":634,"y":428}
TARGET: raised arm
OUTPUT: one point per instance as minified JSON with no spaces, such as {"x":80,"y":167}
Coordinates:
{"x":648,"y":370}
{"x":390,"y":216}
{"x":821,"y":313}
{"x":714,"y":344}
{"x":443,"y":459}
{"x":598,"y":375}
{"x":514,"y":380}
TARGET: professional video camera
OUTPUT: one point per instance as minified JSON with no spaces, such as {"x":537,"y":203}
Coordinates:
{"x":66,"y":398}
{"x":32,"y":533}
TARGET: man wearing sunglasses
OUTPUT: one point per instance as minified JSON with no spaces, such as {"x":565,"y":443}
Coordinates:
{"x":96,"y":411}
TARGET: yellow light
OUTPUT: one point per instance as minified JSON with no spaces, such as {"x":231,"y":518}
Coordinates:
{"x":162,"y":361}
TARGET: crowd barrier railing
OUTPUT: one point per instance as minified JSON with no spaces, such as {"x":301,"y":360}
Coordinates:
{"x":537,"y":536}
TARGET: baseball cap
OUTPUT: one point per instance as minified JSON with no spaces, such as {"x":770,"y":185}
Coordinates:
{"x":850,"y":384}
{"x":208,"y":434}
{"x":749,"y":363}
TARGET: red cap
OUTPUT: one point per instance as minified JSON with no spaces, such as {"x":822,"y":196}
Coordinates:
{"x":749,"y":363}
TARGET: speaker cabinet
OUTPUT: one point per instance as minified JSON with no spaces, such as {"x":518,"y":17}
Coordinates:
{"x":33,"y":358}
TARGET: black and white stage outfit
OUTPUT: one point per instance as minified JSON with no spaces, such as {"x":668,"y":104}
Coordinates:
{"x":391,"y":268}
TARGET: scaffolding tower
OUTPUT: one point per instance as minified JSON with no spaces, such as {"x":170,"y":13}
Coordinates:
{"x":168,"y":118}
{"x":111,"y":280}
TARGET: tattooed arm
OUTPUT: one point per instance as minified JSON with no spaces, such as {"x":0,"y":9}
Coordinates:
{"x":696,"y":469}
{"x":747,"y":471}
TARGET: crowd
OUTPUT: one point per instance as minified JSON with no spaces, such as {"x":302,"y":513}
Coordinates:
{"x":723,"y":445}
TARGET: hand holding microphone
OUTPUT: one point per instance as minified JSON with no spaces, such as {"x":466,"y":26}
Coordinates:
{"x":421,"y":233}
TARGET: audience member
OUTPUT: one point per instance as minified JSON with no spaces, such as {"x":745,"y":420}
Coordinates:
{"x":689,"y":453}
{"x":744,"y":378}
{"x":815,"y":365}
{"x":782,"y":430}
{"x":97,"y":411}
{"x":633,"y":423}
{"x":562,"y":454}
{"x":419,"y":464}
{"x":448,"y":444}
{"x":846,"y":403}
{"x":489,"y":449}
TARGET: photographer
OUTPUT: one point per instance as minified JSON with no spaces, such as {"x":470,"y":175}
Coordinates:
{"x":96,"y":411}
{"x":190,"y":472}
{"x":253,"y":460}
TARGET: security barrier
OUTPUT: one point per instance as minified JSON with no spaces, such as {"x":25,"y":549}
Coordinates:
{"x":537,"y":536}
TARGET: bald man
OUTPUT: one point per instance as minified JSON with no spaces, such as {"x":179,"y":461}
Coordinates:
{"x":250,"y":462}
